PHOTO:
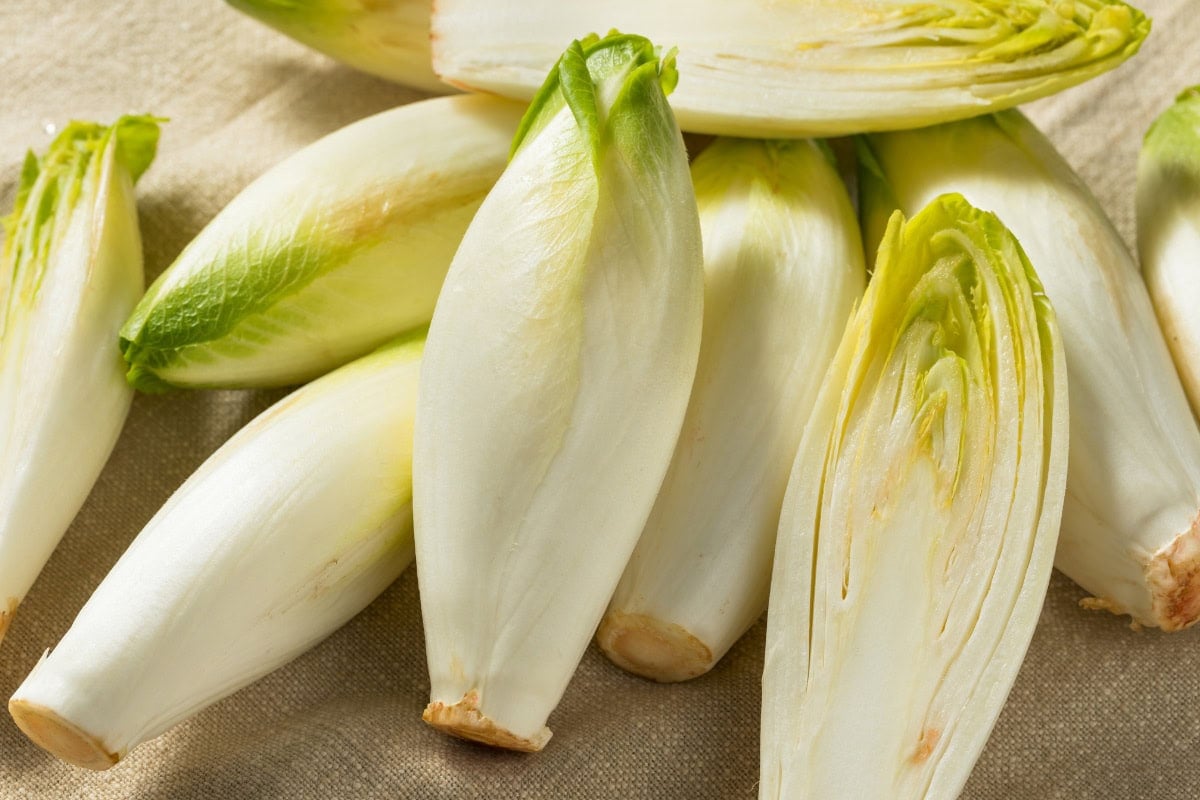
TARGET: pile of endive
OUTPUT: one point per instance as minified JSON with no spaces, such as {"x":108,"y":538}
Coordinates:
{"x":625,"y":395}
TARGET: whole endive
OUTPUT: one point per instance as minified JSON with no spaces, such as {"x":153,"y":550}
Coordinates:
{"x":783,"y":267}
{"x":292,"y":527}
{"x":332,"y":252}
{"x":388,"y":38}
{"x":555,"y":381}
{"x":1168,"y":213}
{"x":808,"y":67}
{"x":919,"y":527}
{"x":70,"y":272}
{"x":1131,"y":524}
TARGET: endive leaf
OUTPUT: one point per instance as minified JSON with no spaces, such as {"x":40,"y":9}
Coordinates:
{"x":328,"y":255}
{"x":555,"y":381}
{"x":783,"y":267}
{"x":1168,"y":212}
{"x":292,"y":527}
{"x":388,"y":38}
{"x":70,"y":271}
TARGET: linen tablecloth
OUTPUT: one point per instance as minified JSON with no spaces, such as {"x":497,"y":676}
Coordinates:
{"x":1098,"y":710}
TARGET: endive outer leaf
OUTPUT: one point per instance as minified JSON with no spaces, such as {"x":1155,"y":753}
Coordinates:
{"x":783,"y":267}
{"x":292,"y":527}
{"x":70,"y":272}
{"x":808,"y":67}
{"x":328,"y":255}
{"x":1168,"y":209}
{"x":388,"y":38}
{"x":919,"y":528}
{"x":555,"y":381}
{"x":1130,"y":532}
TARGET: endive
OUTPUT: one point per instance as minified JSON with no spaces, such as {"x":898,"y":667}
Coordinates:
{"x":555,"y":381}
{"x":388,"y":38}
{"x":808,"y":67}
{"x":783,"y":266}
{"x":1168,"y":210}
{"x":919,"y":527}
{"x":1130,"y":533}
{"x":288,"y":530}
{"x":70,"y":272}
{"x":328,"y":255}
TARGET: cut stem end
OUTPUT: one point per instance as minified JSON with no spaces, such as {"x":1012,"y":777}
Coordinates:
{"x":651,"y":648}
{"x":464,"y":720}
{"x":1174,"y":578}
{"x":60,"y":737}
{"x":6,"y":616}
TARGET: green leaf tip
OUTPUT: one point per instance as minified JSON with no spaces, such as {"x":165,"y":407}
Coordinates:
{"x":589,"y":75}
{"x":145,"y":381}
{"x":51,"y":185}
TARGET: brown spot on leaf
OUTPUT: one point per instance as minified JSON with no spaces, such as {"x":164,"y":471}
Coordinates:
{"x":928,"y":741}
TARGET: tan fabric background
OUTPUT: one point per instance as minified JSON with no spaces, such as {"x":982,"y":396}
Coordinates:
{"x":1098,"y":711}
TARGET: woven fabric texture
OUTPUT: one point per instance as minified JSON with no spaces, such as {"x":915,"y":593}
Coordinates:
{"x":1097,"y":711}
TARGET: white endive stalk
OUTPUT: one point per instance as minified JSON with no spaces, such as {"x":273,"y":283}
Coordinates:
{"x":555,"y":382}
{"x":918,"y":532}
{"x":1131,"y":534}
{"x":783,"y":267}
{"x":328,"y":255}
{"x":292,"y":527}
{"x":807,"y":67}
{"x":388,"y":38}
{"x":1168,"y":210}
{"x":70,"y":272}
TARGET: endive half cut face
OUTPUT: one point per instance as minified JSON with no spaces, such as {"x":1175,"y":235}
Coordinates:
{"x":1168,"y":212}
{"x":326,"y":256}
{"x":1130,"y":530}
{"x":388,"y":38}
{"x":920,"y":522}
{"x":555,"y":380}
{"x":808,"y":67}
{"x":70,"y":271}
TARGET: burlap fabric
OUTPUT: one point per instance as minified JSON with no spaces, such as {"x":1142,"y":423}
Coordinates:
{"x":1098,"y":710}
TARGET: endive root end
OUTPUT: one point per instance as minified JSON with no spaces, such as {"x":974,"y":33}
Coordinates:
{"x":6,"y":616}
{"x":654,"y":649}
{"x":1173,"y":575}
{"x":464,"y":720}
{"x":60,"y":737}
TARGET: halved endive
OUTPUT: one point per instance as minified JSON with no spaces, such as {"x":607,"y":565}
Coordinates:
{"x":70,"y":272}
{"x":783,"y":267}
{"x":808,"y":67}
{"x":1168,"y":209}
{"x":555,"y":382}
{"x":919,"y":528}
{"x":292,"y":527}
{"x":388,"y":38}
{"x":331,"y":253}
{"x":1130,"y":533}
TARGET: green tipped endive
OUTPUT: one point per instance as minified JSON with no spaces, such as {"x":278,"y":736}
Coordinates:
{"x":808,"y":67}
{"x":555,"y":381}
{"x":1131,"y":530}
{"x":70,"y":272}
{"x":1168,"y":211}
{"x":388,"y":38}
{"x":919,"y":527}
{"x":330,"y":254}
{"x":292,"y":527}
{"x":783,"y":267}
